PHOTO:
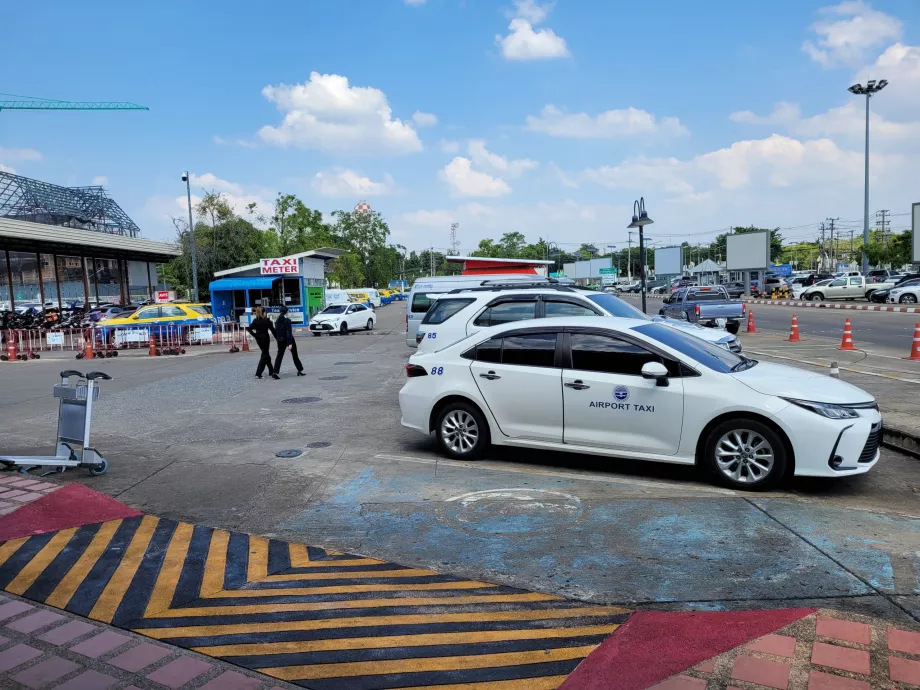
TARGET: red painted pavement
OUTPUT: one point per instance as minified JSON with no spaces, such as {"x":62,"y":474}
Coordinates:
{"x":654,"y":645}
{"x":70,"y":506}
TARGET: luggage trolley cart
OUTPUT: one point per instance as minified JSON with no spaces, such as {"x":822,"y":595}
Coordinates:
{"x":75,"y":419}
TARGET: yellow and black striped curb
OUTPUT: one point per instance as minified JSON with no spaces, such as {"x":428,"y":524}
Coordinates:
{"x":318,"y":618}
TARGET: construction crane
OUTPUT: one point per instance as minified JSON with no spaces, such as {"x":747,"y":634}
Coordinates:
{"x":33,"y":103}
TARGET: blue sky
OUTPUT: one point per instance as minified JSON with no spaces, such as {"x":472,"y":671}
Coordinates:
{"x":546,"y":118}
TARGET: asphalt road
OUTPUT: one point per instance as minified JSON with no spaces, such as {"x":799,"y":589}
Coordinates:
{"x":195,"y":438}
{"x":870,"y":328}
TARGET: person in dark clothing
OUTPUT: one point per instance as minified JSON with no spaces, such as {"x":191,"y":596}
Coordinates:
{"x":284,"y":333}
{"x":259,"y":329}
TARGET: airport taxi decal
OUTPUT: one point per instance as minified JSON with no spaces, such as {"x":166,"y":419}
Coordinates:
{"x":621,"y":395}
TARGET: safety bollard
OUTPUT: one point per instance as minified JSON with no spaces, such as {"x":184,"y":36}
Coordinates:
{"x":12,"y":352}
{"x":835,"y":371}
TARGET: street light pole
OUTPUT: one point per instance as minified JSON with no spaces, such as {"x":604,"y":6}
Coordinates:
{"x":868,"y":90}
{"x":191,"y":237}
{"x":639,"y":220}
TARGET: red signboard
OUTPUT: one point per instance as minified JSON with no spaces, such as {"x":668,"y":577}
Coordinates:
{"x":162,"y":296}
{"x":271,"y":267}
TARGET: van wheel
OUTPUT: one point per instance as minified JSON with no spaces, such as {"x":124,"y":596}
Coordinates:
{"x":745,"y":454}
{"x":462,"y":431}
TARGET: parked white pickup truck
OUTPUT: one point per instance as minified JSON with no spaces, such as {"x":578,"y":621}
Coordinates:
{"x":845,"y":287}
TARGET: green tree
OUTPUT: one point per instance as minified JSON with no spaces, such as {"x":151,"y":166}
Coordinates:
{"x":362,"y":233}
{"x":511,"y":244}
{"x":348,"y":271}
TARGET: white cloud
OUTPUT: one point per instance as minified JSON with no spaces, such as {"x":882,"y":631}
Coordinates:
{"x":852,"y":29}
{"x":783,"y":114}
{"x":607,"y":125}
{"x":348,"y":183}
{"x":900,"y":65}
{"x":424,"y":119}
{"x":464,"y":181}
{"x":449,"y":146}
{"x":560,"y":176}
{"x":328,"y":114}
{"x":523,"y":42}
{"x":20,"y":155}
{"x":483,"y":158}
{"x":210,"y":182}
{"x":438,"y":218}
{"x":100,"y":180}
{"x":7,"y":169}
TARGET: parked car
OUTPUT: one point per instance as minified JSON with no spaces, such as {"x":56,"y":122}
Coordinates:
{"x":848,"y":287}
{"x":878,"y":275}
{"x":905,"y":293}
{"x":342,"y":318}
{"x":706,"y":305}
{"x":734,"y":290}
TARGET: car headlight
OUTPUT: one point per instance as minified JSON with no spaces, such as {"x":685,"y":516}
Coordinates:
{"x":828,"y":410}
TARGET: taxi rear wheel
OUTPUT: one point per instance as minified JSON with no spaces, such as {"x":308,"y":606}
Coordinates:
{"x":746,"y":454}
{"x":462,"y":431}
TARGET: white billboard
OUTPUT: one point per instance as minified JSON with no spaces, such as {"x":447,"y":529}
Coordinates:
{"x":747,"y":251}
{"x":915,"y":229}
{"x":669,"y":261}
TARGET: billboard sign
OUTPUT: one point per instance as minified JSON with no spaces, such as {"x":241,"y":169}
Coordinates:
{"x":669,"y":261}
{"x":275,"y":267}
{"x":748,"y":251}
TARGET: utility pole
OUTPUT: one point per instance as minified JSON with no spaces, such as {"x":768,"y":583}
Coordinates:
{"x":431,"y":259}
{"x":852,"y":257}
{"x":629,"y":258}
{"x":821,"y":251}
{"x":191,"y":236}
{"x":833,"y":246}
{"x":454,"y":243}
{"x":882,"y":223}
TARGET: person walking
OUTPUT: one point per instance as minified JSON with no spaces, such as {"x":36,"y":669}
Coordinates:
{"x":259,"y":329}
{"x":284,"y":333}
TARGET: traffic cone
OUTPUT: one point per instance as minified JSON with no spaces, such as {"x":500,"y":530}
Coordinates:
{"x":794,"y":331}
{"x":11,"y":350}
{"x":847,"y":342}
{"x":88,"y":343}
{"x":751,"y":328}
{"x":915,"y":346}
{"x":152,"y":352}
{"x":245,"y":347}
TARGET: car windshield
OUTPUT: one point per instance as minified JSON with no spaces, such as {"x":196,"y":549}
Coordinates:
{"x":709,"y":355}
{"x":335,"y":309}
{"x":200,"y":309}
{"x":616,"y":307}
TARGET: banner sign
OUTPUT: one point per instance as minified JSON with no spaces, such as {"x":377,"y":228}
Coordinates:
{"x":273,"y":267}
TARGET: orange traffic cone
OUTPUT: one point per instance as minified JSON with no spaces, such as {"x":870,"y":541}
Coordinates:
{"x":245,"y":347}
{"x":915,"y":346}
{"x":11,"y":352}
{"x":794,"y":331}
{"x":751,"y":328}
{"x":153,"y":347}
{"x":847,"y":342}
{"x":88,"y":343}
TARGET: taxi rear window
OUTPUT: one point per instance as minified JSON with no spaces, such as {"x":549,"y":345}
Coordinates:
{"x":421,"y":302}
{"x":200,"y":310}
{"x":444,"y":309}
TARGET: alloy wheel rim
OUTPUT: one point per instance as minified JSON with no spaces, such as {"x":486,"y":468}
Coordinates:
{"x":460,"y":431}
{"x":744,"y":456}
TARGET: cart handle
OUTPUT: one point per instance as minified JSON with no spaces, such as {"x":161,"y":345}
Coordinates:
{"x":67,"y":373}
{"x":93,"y":375}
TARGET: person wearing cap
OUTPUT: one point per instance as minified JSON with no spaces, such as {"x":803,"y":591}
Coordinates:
{"x":284,"y":333}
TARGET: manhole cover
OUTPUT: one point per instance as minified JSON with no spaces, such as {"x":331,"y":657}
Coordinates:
{"x":298,"y":401}
{"x":358,"y":361}
{"x":293,"y":453}
{"x":332,"y":378}
{"x":319,"y":444}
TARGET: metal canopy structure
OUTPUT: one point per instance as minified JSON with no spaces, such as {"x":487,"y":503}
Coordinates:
{"x":84,"y":208}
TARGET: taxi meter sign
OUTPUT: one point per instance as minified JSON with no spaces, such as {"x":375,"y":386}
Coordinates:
{"x":272,"y":267}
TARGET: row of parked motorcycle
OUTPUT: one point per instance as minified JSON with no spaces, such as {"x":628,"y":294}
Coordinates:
{"x":51,"y":318}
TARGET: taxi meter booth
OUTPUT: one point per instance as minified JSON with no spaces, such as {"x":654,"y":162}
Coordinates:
{"x":297,"y":282}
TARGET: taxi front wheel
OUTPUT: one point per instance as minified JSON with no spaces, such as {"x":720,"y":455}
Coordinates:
{"x":462,"y":431}
{"x":746,"y":454}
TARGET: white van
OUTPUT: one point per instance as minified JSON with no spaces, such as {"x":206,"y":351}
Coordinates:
{"x":371,"y":293}
{"x":418,"y":301}
{"x":334,"y":296}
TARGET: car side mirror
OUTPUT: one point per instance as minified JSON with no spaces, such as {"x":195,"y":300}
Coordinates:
{"x":657,"y":371}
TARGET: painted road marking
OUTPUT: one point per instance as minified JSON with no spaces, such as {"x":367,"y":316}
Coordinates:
{"x":303,"y":613}
{"x":842,"y":368}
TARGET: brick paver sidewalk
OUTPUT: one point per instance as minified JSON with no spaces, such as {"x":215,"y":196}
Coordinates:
{"x":827,"y":650}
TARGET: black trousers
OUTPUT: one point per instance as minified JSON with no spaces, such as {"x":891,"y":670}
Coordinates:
{"x":266,"y":359}
{"x":282,"y":346}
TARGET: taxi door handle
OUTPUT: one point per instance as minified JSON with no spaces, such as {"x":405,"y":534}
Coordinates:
{"x":491,"y":376}
{"x":577,"y":384}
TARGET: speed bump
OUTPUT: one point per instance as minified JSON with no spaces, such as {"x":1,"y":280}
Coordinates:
{"x":321,"y":619}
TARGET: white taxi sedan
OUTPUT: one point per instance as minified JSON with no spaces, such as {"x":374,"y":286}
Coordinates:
{"x":633,"y":389}
{"x":342,"y":318}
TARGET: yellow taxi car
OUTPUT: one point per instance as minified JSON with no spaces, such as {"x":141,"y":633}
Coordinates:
{"x":360,"y":298}
{"x":173,"y":324}
{"x":173,"y":314}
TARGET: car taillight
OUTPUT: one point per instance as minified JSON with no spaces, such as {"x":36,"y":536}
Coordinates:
{"x":697,"y":309}
{"x":413,"y":370}
{"x":419,"y":336}
{"x":743,"y":308}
